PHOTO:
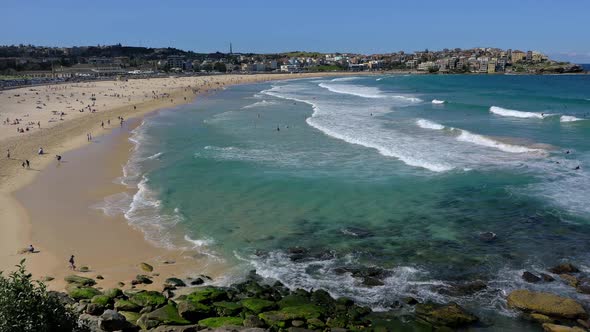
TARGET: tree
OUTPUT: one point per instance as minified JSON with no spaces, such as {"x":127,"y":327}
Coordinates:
{"x":220,"y":67}
{"x":26,"y":305}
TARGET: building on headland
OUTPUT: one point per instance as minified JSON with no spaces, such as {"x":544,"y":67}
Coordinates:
{"x":529,"y":56}
{"x":517,"y":56}
{"x":289,"y":68}
{"x":175,"y":61}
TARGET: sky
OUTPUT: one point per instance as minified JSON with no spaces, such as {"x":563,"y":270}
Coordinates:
{"x":559,"y":28}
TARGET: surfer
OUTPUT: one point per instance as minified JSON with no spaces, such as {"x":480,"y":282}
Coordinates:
{"x":577,"y":168}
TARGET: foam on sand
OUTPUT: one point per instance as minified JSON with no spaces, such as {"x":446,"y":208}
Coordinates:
{"x":514,"y":113}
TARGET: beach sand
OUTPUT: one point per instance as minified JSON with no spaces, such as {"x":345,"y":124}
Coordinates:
{"x":54,"y":212}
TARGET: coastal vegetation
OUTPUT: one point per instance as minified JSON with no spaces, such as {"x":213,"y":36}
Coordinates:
{"x":26,"y":305}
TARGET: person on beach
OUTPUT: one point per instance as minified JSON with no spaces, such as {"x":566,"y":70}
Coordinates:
{"x":72,"y":263}
{"x":102,"y":124}
{"x":28,"y":163}
{"x":40,"y":151}
{"x":31,"y":249}
{"x":23,"y":164}
{"x":58,"y":157}
{"x":8,"y":153}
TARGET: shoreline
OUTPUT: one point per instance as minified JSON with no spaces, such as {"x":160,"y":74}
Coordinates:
{"x":67,"y":137}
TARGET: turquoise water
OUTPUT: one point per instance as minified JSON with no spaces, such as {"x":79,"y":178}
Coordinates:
{"x":370,"y":172}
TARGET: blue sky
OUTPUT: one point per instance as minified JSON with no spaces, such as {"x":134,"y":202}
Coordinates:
{"x":560,"y":28}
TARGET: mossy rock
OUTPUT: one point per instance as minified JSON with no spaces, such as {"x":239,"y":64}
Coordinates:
{"x":227,"y":308}
{"x":315,"y":324}
{"x":82,"y":292}
{"x":293,"y":301}
{"x":131,"y":316}
{"x":131,"y":292}
{"x":126,"y":305}
{"x":113,"y":293}
{"x":143,"y":279}
{"x":207,"y":295}
{"x":194,"y":311}
{"x":166,"y":315}
{"x":148,"y":298}
{"x":451,"y":315}
{"x":216,"y":322}
{"x":84,"y":269}
{"x":102,"y":300}
{"x":47,"y":279}
{"x":257,"y":306}
{"x":80,"y":281}
{"x":280,"y":318}
{"x":175,"y":282}
{"x":146,"y":267}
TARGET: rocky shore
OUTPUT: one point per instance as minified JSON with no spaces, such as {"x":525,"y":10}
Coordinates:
{"x":258,"y":304}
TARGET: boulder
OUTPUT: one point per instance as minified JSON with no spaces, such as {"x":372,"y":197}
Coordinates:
{"x":541,"y":318}
{"x":175,"y":282}
{"x":547,"y":278}
{"x":547,"y":327}
{"x":564,"y":268}
{"x":281,"y":318}
{"x":99,"y":277}
{"x":88,"y":322}
{"x":141,"y":279}
{"x":208,"y":295}
{"x":146,"y":267}
{"x":63,"y":298}
{"x":81,"y":292}
{"x":84,"y":269}
{"x":584,"y":285}
{"x":315,"y":324}
{"x":227,"y":309}
{"x":257,"y":306}
{"x":47,"y":279}
{"x":216,"y":322}
{"x":111,"y":320}
{"x":79,"y":281}
{"x":172,"y":328}
{"x":130,"y":316}
{"x":113,"y":293}
{"x":464,"y":289}
{"x":126,"y":305}
{"x":487,"y":236}
{"x":101,"y":300}
{"x":148,"y":298}
{"x":546,"y":303}
{"x":166,"y":315}
{"x":194,"y":311}
{"x":529,"y":277}
{"x":569,"y":279}
{"x":449,"y":315}
{"x":94,"y":309}
{"x":197,"y":282}
{"x":253,"y":321}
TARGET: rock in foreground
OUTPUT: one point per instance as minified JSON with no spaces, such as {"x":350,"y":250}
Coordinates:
{"x":546,"y":303}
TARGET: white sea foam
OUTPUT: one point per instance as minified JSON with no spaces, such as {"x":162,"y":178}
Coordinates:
{"x":262,"y":103}
{"x":569,"y":118}
{"x":436,"y":101}
{"x":515,"y":114}
{"x":155,"y":156}
{"x":467,"y":136}
{"x":366,"y":92}
{"x":403,"y":281}
{"x":427,"y":124}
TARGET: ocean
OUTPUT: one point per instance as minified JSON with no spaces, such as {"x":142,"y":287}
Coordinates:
{"x":375,"y":187}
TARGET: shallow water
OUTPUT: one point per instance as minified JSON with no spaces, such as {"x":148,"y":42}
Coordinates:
{"x":369,"y":171}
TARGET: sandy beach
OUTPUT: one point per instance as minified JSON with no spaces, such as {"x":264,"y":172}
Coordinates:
{"x":54,"y":213}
